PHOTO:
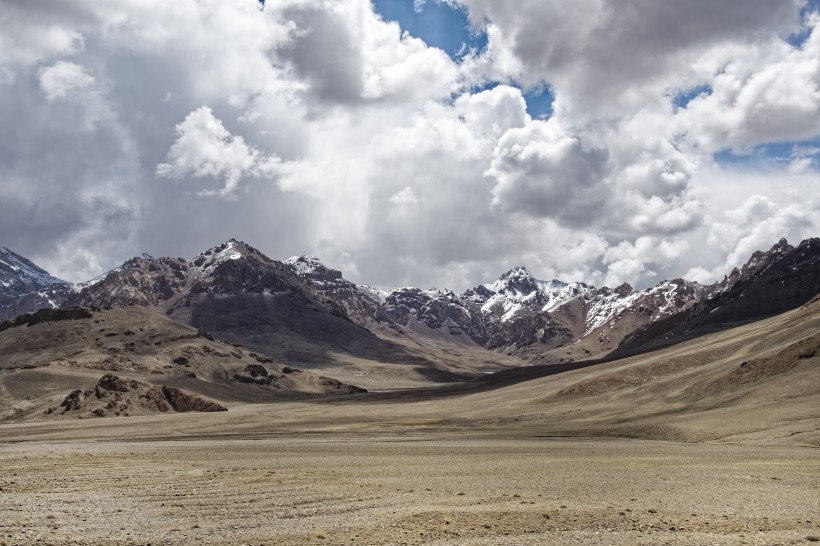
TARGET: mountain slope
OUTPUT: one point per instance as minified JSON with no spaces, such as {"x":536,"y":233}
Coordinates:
{"x":237,"y":293}
{"x":755,"y":383}
{"x":229,"y":289}
{"x":554,"y":322}
{"x":25,"y":287}
{"x":304,"y":312}
{"x":515,"y":315}
{"x":770,"y":283}
{"x":19,"y":276}
{"x":54,"y":361}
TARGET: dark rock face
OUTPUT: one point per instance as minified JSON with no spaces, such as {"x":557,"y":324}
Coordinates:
{"x":255,"y":370}
{"x":770,"y":283}
{"x":357,"y":303}
{"x":118,"y":396}
{"x":235,"y":292}
{"x":338,"y":385}
{"x":182,"y":401}
{"x":154,"y":398}
{"x":524,"y":332}
{"x":255,"y":373}
{"x":139,"y":281}
{"x":46,"y":315}
{"x":252,"y":273}
{"x":110,"y":382}
{"x":74,"y":401}
{"x":310,"y":268}
{"x":520,"y":314}
{"x":758,"y":262}
{"x":45,"y":298}
{"x":434,"y":308}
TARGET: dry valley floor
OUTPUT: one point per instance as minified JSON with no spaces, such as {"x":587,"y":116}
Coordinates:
{"x":430,"y":489}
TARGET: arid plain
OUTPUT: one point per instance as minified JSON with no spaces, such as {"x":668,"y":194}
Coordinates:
{"x":710,"y":441}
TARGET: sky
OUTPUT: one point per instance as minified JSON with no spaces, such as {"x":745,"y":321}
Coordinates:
{"x":412,"y":142}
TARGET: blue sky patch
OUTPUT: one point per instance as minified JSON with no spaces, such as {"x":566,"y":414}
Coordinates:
{"x":799,"y":38}
{"x":774,"y":152}
{"x":539,"y":102}
{"x":683,"y":98}
{"x":438,"y":23}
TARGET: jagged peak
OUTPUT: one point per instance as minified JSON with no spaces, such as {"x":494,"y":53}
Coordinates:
{"x":517,"y":279}
{"x":677,"y":281}
{"x":624,"y":289}
{"x":305,"y":262}
{"x":21,"y":265}
{"x":521,"y":275}
{"x":402,"y":290}
{"x":781,"y":247}
{"x":307,"y":258}
{"x":312,"y":268}
{"x":517,"y":272}
{"x":232,"y":249}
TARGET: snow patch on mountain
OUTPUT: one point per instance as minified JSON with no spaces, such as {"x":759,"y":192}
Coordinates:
{"x":304,"y":265}
{"x":26,"y":287}
{"x":657,"y":302}
{"x":15,"y":268}
{"x":517,"y":292}
{"x":605,"y":306}
{"x":78,"y":287}
{"x":312,"y":269}
{"x":207,"y":261}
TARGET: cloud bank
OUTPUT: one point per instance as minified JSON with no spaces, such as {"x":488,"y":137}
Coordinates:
{"x":683,"y":136}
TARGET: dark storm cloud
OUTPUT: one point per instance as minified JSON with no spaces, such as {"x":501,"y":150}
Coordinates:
{"x":324,"y":52}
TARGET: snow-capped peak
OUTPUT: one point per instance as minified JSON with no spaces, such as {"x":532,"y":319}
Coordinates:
{"x":19,"y":276}
{"x":15,"y":269}
{"x":656,"y":302}
{"x":80,"y":286}
{"x":517,"y":292}
{"x":229,"y":250}
{"x":431,"y":293}
{"x":312,"y":268}
{"x":303,"y":265}
{"x":517,"y":273}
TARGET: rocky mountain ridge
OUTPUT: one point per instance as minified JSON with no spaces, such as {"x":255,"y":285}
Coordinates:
{"x":19,"y":276}
{"x":235,"y":289}
{"x":25,"y":287}
{"x":519,"y":314}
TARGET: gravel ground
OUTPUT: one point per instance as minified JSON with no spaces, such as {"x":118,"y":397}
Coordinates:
{"x":426,"y":489}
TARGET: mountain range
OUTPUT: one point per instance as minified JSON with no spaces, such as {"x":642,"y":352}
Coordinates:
{"x":232,"y":326}
{"x":237,"y":292}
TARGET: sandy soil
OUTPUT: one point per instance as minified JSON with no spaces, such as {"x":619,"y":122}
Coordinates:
{"x":430,"y":489}
{"x":488,"y":461}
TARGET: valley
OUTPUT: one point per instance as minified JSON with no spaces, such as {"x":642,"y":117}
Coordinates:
{"x":301,"y":409}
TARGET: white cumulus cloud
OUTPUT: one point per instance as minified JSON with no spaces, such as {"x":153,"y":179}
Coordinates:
{"x":204,"y":148}
{"x":63,"y":80}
